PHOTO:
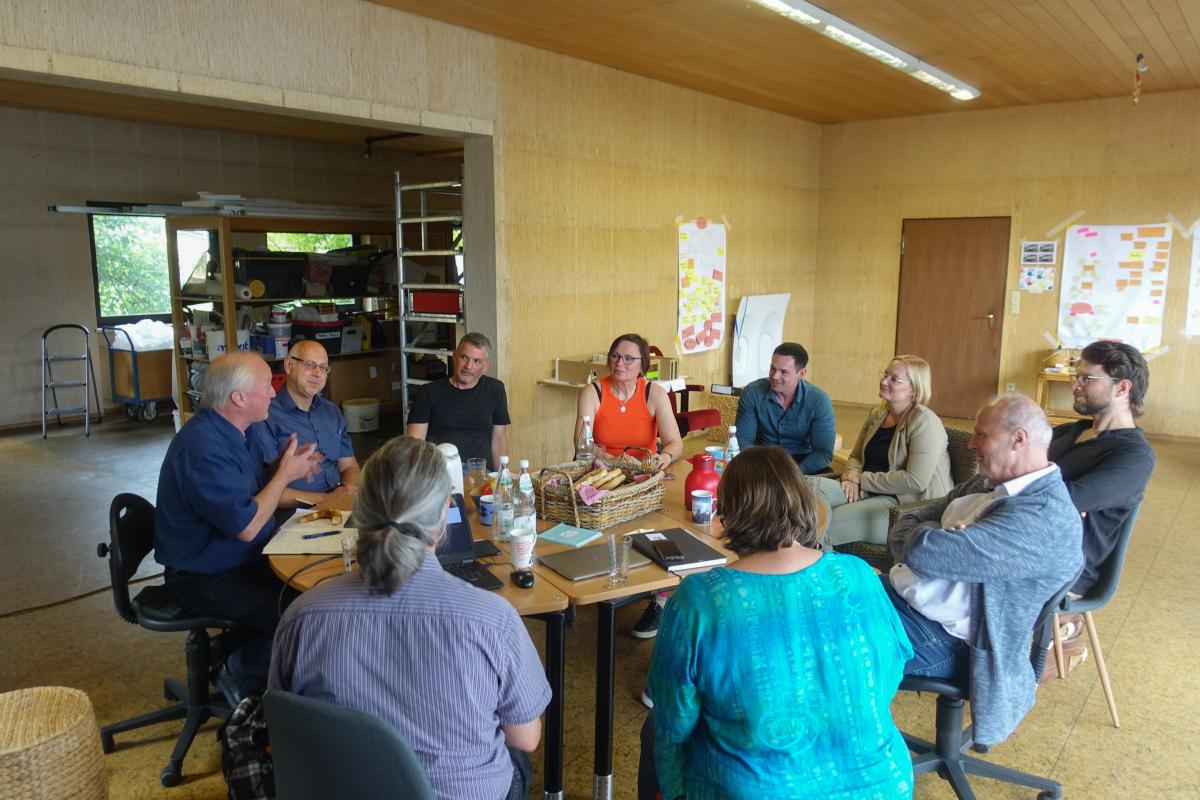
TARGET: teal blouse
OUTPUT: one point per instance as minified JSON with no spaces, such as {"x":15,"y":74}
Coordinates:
{"x":780,"y":686}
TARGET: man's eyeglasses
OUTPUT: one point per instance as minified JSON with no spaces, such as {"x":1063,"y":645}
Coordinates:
{"x":1090,"y":379}
{"x":892,"y":379}
{"x":626,"y":360}
{"x":312,"y":366}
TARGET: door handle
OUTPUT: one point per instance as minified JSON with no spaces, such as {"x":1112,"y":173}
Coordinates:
{"x":991,"y":318}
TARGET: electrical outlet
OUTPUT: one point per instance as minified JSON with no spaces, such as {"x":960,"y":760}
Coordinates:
{"x":1010,"y":388}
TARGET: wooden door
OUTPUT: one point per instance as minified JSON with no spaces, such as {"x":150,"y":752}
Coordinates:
{"x":951,"y":306}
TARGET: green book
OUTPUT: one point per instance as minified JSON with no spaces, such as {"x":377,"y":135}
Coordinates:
{"x":569,"y":535}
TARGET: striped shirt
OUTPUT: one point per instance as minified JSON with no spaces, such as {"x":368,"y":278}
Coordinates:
{"x":445,"y":663}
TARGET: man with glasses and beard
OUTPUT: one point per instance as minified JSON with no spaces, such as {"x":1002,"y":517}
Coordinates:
{"x":1105,"y":460}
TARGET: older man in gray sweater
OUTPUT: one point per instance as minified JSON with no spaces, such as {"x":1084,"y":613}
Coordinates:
{"x":975,"y":567}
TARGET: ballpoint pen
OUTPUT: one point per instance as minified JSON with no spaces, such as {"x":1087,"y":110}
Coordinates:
{"x":320,"y":535}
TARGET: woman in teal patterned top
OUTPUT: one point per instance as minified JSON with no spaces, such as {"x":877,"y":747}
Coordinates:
{"x":773,"y":677}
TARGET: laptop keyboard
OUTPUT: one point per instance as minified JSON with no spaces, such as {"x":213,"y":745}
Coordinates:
{"x":469,"y":571}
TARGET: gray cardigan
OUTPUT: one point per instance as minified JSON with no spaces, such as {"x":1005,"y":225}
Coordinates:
{"x":918,"y":459}
{"x":1018,"y":553}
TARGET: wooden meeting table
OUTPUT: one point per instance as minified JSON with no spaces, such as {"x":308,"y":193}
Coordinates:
{"x":544,"y":601}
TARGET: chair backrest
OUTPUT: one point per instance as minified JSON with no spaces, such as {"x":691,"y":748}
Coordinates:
{"x":1110,"y":571}
{"x":1043,"y":629}
{"x":131,"y":534}
{"x":322,"y":750}
{"x":963,"y":464}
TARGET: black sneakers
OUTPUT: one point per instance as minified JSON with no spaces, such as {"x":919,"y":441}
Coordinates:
{"x":647,"y":626}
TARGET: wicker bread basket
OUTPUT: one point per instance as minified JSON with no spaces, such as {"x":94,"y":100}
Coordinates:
{"x":559,"y":502}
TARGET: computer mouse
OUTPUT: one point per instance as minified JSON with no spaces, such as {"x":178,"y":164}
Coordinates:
{"x":523,"y":579}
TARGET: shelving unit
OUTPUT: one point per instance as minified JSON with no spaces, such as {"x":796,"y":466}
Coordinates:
{"x":425,"y":304}
{"x":220,"y":231}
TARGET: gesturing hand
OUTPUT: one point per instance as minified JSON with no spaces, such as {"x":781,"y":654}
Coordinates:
{"x":299,"y":462}
{"x":852,"y":491}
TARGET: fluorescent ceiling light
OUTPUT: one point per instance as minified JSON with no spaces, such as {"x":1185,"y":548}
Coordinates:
{"x":856,"y":38}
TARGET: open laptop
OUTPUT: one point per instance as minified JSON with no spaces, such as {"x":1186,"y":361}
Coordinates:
{"x":456,"y":550}
{"x":587,"y":562}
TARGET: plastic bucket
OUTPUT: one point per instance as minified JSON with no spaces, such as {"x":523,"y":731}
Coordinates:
{"x":362,"y":414}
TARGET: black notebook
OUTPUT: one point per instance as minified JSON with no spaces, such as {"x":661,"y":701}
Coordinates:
{"x":696,"y":554}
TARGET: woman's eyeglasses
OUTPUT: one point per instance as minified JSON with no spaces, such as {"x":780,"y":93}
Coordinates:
{"x":892,"y":379}
{"x":626,"y":360}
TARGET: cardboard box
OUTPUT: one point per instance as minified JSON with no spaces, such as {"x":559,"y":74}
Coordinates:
{"x":365,"y":376}
{"x":582,"y":369}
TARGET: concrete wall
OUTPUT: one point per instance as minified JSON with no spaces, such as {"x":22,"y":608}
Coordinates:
{"x":48,"y":158}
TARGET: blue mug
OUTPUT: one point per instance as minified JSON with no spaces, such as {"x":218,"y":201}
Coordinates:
{"x":486,"y":509}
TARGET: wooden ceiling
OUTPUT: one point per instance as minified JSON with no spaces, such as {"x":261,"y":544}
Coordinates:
{"x":1017,"y":52}
{"x":139,"y":108}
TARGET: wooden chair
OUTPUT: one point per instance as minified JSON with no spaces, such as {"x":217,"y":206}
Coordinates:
{"x":1093,"y":600}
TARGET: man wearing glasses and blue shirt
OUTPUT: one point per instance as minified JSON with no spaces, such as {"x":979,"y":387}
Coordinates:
{"x":301,"y":410}
{"x":784,"y":409}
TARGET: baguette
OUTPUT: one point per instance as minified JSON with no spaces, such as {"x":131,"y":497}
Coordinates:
{"x":613,"y":482}
{"x":588,"y":478}
{"x":331,"y":514}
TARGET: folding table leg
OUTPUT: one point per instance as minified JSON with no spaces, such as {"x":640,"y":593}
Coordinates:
{"x":602,"y":777}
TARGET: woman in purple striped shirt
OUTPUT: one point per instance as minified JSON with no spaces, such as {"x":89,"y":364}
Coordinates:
{"x":449,"y":665}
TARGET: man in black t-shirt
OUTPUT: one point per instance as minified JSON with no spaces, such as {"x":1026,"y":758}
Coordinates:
{"x":1105,"y":460}
{"x":467,"y":409}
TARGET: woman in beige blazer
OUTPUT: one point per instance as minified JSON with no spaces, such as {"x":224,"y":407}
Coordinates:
{"x":901,"y":456}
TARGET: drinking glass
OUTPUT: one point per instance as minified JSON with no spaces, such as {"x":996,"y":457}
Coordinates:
{"x":619,"y":548}
{"x":476,"y":475}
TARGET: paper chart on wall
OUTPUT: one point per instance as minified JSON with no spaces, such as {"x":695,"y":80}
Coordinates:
{"x":1114,"y":284}
{"x":1192,"y":324}
{"x":701,"y":285}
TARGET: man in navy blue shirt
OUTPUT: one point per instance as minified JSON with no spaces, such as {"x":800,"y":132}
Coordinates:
{"x":300,"y":410}
{"x":215,"y":507}
{"x":784,"y":409}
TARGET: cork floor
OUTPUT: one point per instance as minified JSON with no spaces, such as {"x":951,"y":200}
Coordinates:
{"x":58,"y":627}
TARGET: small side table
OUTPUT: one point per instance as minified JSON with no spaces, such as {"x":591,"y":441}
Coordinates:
{"x":1044,"y":379}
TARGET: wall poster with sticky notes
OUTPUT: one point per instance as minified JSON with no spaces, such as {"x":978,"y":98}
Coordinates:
{"x":1192,"y":325}
{"x":702,"y":279}
{"x":1114,"y":284}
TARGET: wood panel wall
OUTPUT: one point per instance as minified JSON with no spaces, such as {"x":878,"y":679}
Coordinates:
{"x":1114,"y":161}
{"x":595,"y":166}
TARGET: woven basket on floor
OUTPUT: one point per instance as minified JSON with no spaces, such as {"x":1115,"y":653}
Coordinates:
{"x":558,"y":501}
{"x":50,"y":746}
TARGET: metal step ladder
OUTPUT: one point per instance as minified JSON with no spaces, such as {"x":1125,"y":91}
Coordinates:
{"x":88,"y":383}
{"x":411,"y":293}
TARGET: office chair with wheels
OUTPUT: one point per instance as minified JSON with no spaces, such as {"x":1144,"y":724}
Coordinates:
{"x":1093,"y":600}
{"x":323,"y":750}
{"x":131,"y":532}
{"x":947,"y":754}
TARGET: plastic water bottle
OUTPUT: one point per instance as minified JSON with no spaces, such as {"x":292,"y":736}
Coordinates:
{"x":731,"y":447}
{"x":525,"y":514}
{"x":585,"y":448}
{"x":505,"y":502}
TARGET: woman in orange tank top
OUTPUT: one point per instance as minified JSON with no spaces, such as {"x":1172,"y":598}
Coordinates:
{"x":626,"y":410}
